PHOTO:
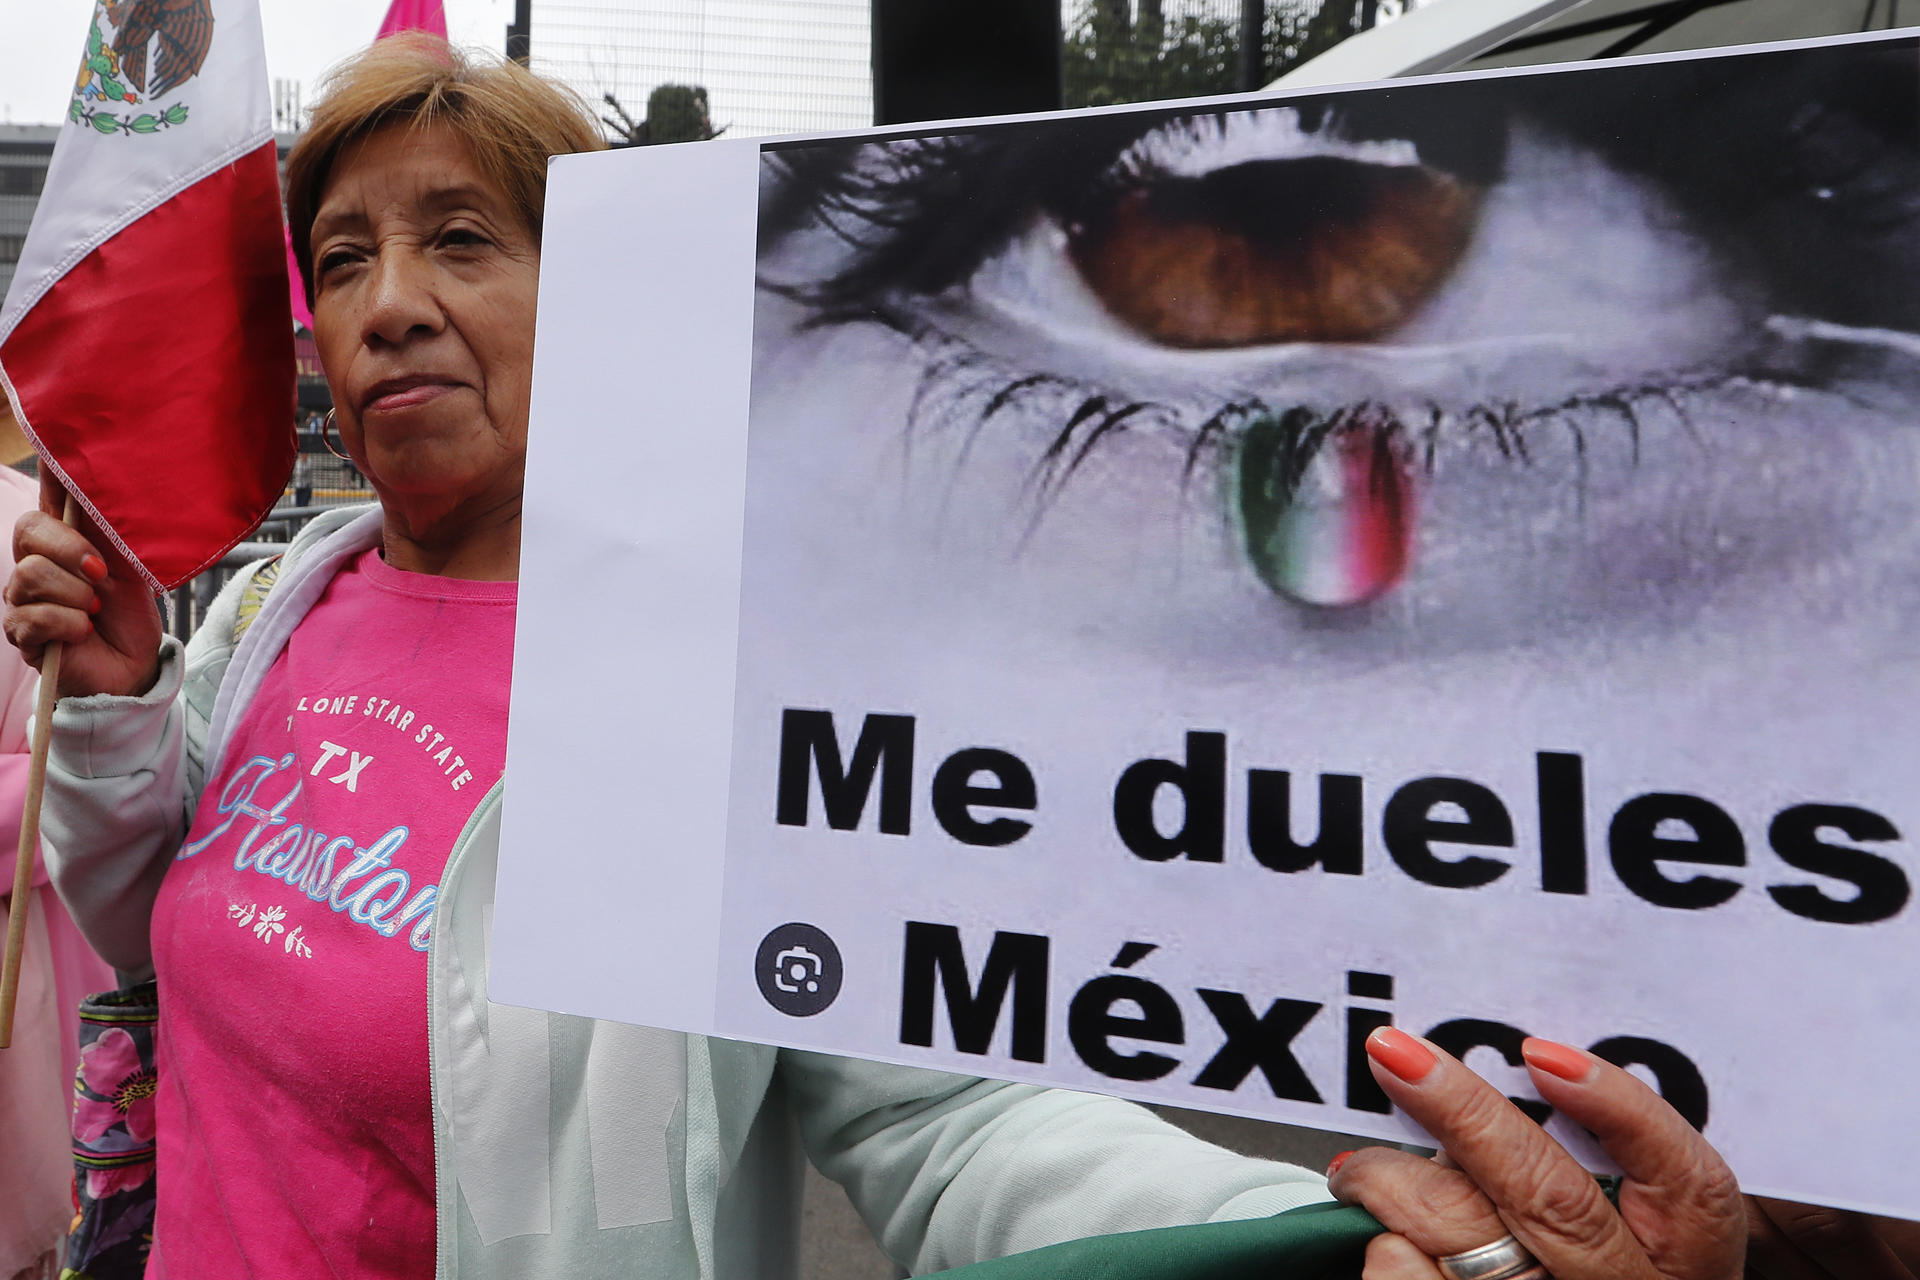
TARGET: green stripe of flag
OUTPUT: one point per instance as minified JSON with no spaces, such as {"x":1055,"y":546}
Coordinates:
{"x":1316,"y":1242}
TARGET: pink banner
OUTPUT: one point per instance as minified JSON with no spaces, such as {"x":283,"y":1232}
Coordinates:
{"x":415,"y":15}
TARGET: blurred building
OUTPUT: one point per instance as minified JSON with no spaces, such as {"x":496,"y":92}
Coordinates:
{"x":25,"y":151}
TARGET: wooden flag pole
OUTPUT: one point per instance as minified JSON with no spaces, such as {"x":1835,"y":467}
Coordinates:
{"x":22,"y":899}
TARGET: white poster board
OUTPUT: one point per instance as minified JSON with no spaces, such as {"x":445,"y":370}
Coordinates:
{"x":1134,"y":600}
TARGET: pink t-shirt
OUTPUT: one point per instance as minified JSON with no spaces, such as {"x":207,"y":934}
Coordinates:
{"x":290,"y":936}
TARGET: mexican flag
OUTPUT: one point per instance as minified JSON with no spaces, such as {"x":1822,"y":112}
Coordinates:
{"x":1317,"y":1242}
{"x":146,"y":347}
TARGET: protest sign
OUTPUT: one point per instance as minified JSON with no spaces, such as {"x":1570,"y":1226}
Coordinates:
{"x":1134,"y":600}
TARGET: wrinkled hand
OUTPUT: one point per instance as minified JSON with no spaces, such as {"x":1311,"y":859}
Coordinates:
{"x":65,"y":589}
{"x":1681,"y":1216}
{"x":1787,"y":1241}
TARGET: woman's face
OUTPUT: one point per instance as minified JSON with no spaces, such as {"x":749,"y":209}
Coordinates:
{"x":425,"y":280}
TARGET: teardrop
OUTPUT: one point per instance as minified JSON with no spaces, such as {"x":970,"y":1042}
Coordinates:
{"x":1324,"y":505}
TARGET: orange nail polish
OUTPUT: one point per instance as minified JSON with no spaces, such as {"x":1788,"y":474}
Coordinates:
{"x":94,"y":567}
{"x":1333,"y":1166}
{"x":1400,"y":1054}
{"x":1556,"y":1059}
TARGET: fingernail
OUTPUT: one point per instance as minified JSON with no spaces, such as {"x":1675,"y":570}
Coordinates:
{"x":1333,"y":1166}
{"x":1557,"y":1059}
{"x":94,"y":567}
{"x":1400,"y":1054}
{"x":93,"y":605}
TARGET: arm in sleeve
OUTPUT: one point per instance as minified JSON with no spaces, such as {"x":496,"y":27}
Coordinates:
{"x":948,"y":1170}
{"x":114,"y":812}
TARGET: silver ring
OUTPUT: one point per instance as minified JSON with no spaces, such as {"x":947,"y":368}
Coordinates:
{"x":1504,"y":1259}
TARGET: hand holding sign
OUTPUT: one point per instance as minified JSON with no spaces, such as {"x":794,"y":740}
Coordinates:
{"x":1680,"y":1214}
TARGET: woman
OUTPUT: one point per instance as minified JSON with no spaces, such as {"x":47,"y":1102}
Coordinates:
{"x":293,"y":822}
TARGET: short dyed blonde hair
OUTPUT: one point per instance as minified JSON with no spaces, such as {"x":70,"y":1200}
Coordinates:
{"x":512,"y":120}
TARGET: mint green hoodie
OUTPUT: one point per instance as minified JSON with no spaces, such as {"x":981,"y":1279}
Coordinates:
{"x":566,"y":1146}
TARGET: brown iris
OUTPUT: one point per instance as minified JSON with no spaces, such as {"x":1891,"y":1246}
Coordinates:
{"x":1319,"y":249}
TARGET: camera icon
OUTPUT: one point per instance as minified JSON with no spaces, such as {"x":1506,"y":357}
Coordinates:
{"x":797,"y":969}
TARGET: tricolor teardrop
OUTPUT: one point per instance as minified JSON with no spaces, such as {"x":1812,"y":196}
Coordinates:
{"x":1325,"y":509}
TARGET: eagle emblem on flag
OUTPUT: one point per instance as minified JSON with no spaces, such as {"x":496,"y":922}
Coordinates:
{"x":140,"y":50}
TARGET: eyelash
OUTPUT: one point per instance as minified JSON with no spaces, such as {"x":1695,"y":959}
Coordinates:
{"x":962,"y":387}
{"x":330,"y":259}
{"x":333,"y":258}
{"x":910,"y":237}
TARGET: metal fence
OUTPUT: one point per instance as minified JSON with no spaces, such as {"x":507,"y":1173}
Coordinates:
{"x":320,"y":482}
{"x":334,"y":484}
{"x":768,"y":66}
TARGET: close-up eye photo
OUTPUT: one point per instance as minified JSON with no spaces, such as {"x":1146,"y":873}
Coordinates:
{"x":1494,"y":364}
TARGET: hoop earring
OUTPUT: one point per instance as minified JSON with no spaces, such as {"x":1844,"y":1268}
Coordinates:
{"x":326,"y":438}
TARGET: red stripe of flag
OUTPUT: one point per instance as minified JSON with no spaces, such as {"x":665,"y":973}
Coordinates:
{"x":157,"y":374}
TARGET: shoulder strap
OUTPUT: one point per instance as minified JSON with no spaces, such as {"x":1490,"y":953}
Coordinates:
{"x":253,"y":595}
